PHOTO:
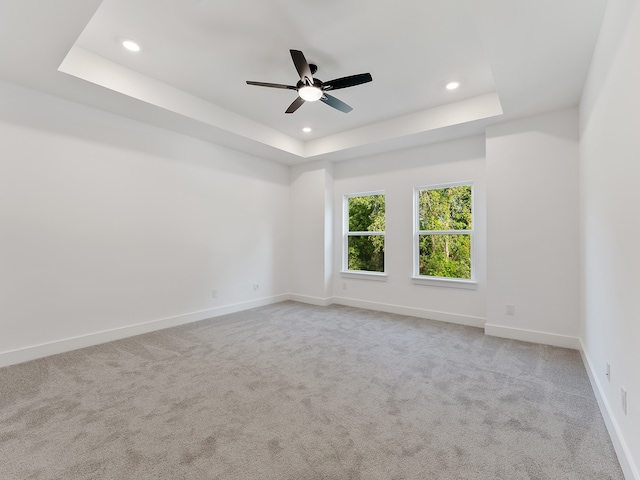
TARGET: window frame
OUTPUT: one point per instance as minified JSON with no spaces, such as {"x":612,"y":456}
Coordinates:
{"x":345,"y":272}
{"x":417,"y":278}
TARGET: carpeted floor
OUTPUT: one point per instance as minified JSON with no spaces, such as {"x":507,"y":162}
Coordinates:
{"x":296,"y":392}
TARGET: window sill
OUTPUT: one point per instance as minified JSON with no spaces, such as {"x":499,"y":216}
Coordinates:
{"x":364,"y":275}
{"x":445,"y":282}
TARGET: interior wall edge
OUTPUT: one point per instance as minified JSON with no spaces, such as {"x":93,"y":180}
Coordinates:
{"x":34,"y":352}
{"x":532,"y":336}
{"x":629,"y":469}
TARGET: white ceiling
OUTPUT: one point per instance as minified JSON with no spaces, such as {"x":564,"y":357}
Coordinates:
{"x":512,"y":58}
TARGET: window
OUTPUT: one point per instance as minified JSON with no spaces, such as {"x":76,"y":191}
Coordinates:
{"x":443,"y":232}
{"x":364,"y":226}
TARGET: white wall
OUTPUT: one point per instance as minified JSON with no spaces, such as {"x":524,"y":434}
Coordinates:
{"x":397,"y":173}
{"x":532,"y":228}
{"x":311,"y":248}
{"x":610,"y":229}
{"x":107,"y":223}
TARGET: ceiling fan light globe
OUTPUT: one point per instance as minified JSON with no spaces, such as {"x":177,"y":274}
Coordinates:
{"x":310,"y":94}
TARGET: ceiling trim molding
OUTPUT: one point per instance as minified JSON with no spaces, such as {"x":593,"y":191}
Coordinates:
{"x":93,"y":68}
{"x":476,"y":108}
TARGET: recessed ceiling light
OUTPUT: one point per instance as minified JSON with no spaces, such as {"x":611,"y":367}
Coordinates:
{"x":452,"y":85}
{"x":131,"y":45}
{"x":306,"y":129}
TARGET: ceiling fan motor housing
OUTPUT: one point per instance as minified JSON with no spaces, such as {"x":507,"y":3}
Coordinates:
{"x":316,"y":83}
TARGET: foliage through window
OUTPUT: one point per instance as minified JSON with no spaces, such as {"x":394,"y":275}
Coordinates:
{"x":444,"y":231}
{"x":364,"y":232}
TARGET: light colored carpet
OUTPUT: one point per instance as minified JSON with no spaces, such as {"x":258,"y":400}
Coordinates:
{"x":293,"y":391}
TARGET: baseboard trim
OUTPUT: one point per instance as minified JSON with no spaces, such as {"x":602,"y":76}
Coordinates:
{"x":620,"y":446}
{"x":321,"y":302}
{"x":532,"y":336}
{"x":34,"y":352}
{"x":459,"y":319}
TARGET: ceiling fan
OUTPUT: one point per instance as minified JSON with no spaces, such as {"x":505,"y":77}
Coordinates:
{"x":311,"y":89}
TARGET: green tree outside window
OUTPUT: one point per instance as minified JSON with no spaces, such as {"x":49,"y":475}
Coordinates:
{"x":365,"y":233}
{"x":444,"y":231}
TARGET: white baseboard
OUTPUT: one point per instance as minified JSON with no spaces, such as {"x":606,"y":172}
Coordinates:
{"x":322,"y":302}
{"x":532,"y":336}
{"x":412,"y":312}
{"x":26,"y":354}
{"x":622,"y":450}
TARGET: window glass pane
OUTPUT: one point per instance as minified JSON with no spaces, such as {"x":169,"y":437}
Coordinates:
{"x":445,"y":255}
{"x":445,"y":208}
{"x":366,"y":213}
{"x":366,"y":252}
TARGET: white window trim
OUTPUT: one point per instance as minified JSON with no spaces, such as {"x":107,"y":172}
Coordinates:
{"x":417,"y":279}
{"x":464,"y":283}
{"x":363,"y":274}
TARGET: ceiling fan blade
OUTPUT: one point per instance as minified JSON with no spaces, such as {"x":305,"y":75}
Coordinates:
{"x":295,"y":105}
{"x":345,"y":82}
{"x":272,"y":85}
{"x":335,"y":103}
{"x":302,"y":66}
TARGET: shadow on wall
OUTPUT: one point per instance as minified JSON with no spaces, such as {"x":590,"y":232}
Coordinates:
{"x":37,"y":110}
{"x":418,"y":157}
{"x":596,"y":83}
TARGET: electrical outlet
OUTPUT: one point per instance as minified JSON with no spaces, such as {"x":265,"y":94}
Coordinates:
{"x":511,"y":310}
{"x":256,"y":287}
{"x":608,"y":374}
{"x":623,"y":394}
{"x":214,"y":294}
{"x":344,"y":286}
